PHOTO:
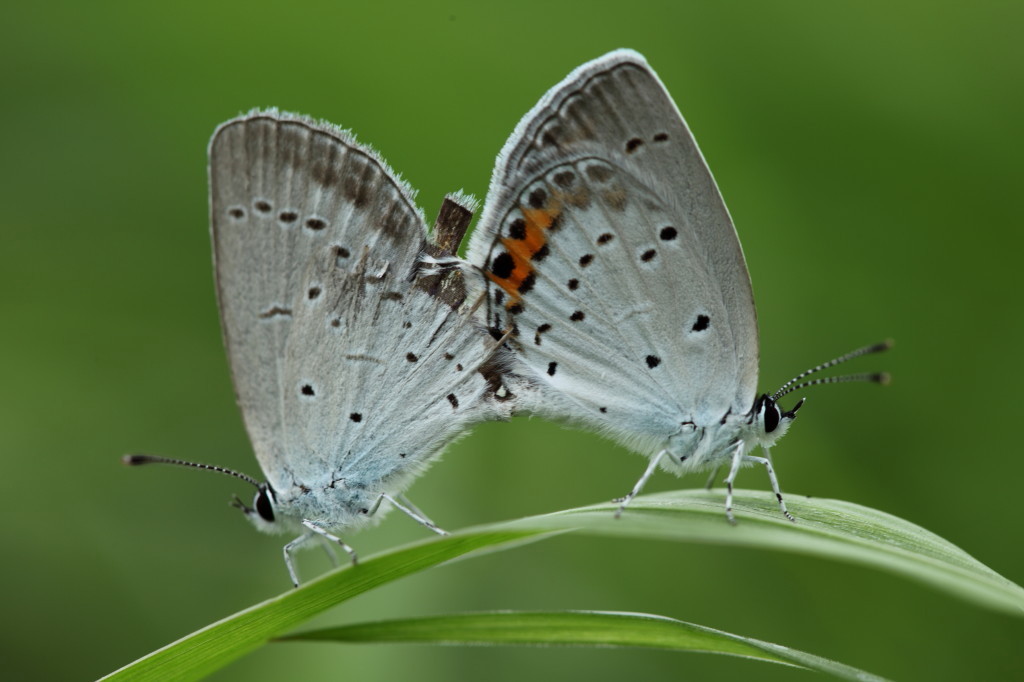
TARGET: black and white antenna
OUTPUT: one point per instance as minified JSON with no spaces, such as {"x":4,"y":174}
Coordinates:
{"x":872,"y":377}
{"x":262,"y":503}
{"x":136,"y":460}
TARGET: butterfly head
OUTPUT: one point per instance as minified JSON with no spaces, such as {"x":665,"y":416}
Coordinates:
{"x":262,"y":513}
{"x":771,"y":420}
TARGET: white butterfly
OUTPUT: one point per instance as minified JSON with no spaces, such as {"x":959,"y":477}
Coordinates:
{"x":607,"y":252}
{"x":352,"y":371}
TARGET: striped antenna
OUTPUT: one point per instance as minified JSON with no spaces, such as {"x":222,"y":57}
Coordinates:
{"x":135,"y":460}
{"x":877,"y":377}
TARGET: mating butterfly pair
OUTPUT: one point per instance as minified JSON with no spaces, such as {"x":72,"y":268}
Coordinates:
{"x":604,"y":287}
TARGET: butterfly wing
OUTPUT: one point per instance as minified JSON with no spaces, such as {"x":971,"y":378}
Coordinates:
{"x":381,"y":378}
{"x":607,"y":250}
{"x":316,"y":243}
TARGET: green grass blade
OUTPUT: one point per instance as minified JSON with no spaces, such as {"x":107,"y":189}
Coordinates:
{"x":216,"y":645}
{"x":576,"y":628}
{"x":831,"y":529}
{"x":825,"y":528}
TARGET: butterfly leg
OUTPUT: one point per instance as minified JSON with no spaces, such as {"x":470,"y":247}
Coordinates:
{"x":419,"y":512}
{"x":322,"y":533}
{"x":624,"y":501}
{"x":711,"y":479}
{"x":329,"y":550}
{"x":767,"y":462}
{"x":288,"y":549}
{"x":411,"y":510}
{"x":737,"y":460}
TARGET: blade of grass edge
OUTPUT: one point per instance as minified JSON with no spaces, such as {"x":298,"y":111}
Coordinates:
{"x":576,"y":628}
{"x":831,"y":529}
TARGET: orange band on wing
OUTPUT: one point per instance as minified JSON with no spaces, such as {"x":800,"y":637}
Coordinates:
{"x":522,"y":251}
{"x":520,"y":271}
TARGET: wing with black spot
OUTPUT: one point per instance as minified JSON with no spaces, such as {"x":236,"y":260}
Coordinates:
{"x":607,"y":250}
{"x":296,"y":205}
{"x":405,"y":380}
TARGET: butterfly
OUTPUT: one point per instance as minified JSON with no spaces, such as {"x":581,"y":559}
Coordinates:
{"x":353,"y":370}
{"x":606,"y":254}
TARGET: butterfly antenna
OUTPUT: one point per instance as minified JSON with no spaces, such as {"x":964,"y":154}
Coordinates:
{"x":876,"y":377}
{"x":136,"y":460}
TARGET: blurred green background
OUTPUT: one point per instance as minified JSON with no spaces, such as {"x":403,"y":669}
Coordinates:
{"x":870,"y":153}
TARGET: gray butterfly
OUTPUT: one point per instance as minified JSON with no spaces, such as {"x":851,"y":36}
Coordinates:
{"x":606,"y":252}
{"x":351,"y":370}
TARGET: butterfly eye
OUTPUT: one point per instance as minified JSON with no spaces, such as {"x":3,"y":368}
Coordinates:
{"x":772,"y":415}
{"x":263,"y":505}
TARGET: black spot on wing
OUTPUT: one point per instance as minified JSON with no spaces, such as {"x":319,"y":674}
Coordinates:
{"x":502,"y":265}
{"x":527,"y":284}
{"x":544,"y":328}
